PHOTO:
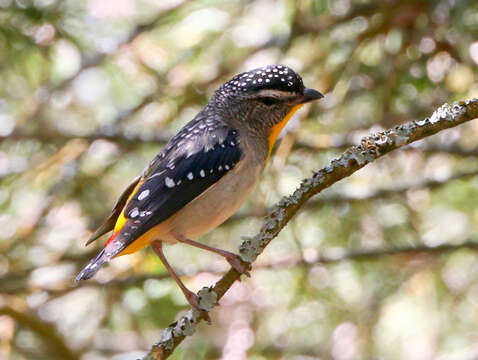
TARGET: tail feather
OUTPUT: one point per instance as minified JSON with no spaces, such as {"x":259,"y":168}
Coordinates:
{"x":112,"y":248}
{"x":94,"y":265}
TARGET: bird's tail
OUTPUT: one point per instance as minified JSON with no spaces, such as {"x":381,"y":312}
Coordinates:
{"x":112,"y":248}
{"x":94,"y":265}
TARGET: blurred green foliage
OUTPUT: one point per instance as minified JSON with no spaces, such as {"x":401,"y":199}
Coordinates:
{"x":383,"y":265}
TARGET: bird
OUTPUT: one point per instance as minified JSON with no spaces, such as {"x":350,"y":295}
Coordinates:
{"x":205,"y":172}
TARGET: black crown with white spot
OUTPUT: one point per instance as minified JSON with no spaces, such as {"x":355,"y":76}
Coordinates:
{"x":273,"y":77}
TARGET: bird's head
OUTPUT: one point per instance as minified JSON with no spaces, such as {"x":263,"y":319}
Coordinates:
{"x":264,"y":99}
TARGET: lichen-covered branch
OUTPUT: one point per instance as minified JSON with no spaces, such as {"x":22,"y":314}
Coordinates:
{"x":132,"y":141}
{"x":371,"y":148}
{"x":340,"y":142}
{"x":372,"y":195}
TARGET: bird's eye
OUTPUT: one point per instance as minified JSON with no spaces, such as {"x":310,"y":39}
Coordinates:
{"x":268,"y":101}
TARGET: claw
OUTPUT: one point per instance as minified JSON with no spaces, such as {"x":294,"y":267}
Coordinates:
{"x":192,"y":299}
{"x":239,"y":265}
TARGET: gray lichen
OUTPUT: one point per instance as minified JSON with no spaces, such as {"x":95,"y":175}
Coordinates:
{"x":447,"y":112}
{"x":167,"y":340}
{"x":207,"y":298}
{"x":250,"y":249}
{"x":187,"y":324}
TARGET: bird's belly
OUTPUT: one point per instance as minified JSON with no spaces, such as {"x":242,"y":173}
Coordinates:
{"x":215,"y":205}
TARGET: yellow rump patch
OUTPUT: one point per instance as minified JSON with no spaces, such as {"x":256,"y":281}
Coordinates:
{"x":138,"y":243}
{"x":121,"y":218}
{"x":142,"y":241}
{"x":277,"y":128}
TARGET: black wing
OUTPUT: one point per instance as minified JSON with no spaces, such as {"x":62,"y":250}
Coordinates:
{"x":196,"y":158}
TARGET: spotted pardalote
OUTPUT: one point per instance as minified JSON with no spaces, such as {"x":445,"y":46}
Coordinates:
{"x":206,"y":171}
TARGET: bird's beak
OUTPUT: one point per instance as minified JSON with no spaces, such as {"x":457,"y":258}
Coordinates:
{"x":310,"y":95}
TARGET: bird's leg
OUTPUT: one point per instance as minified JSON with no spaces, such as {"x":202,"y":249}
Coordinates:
{"x":234,"y":260}
{"x":188,"y":294}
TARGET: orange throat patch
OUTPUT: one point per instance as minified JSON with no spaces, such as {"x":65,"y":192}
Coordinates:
{"x":277,"y":128}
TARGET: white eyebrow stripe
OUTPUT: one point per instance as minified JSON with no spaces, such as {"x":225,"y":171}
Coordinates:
{"x":276,"y":93}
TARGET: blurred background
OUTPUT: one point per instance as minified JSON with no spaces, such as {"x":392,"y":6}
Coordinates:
{"x":383,"y":265}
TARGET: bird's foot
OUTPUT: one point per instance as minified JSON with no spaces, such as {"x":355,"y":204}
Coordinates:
{"x":238,"y":264}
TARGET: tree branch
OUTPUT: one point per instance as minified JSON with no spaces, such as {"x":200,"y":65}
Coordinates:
{"x":54,"y":342}
{"x":372,"y":195}
{"x":340,"y":142}
{"x":353,"y":159}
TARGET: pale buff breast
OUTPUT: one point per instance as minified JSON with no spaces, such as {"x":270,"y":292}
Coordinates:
{"x":212,"y":207}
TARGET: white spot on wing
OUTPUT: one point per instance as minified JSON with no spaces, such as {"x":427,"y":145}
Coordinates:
{"x":134,"y":212}
{"x":157,"y":174}
{"x":143,"y":195}
{"x":169,"y":182}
